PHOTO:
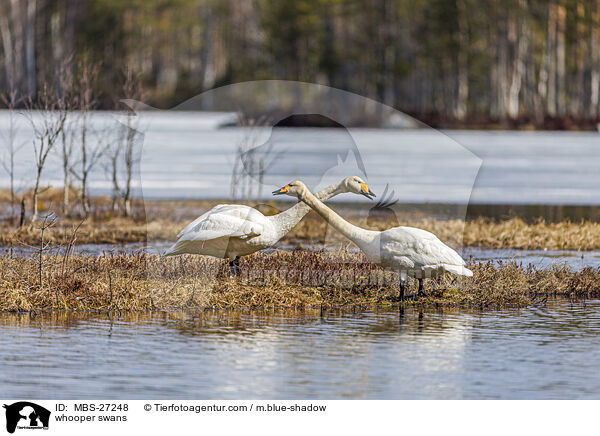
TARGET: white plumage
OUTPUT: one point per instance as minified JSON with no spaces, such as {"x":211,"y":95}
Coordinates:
{"x":419,"y":253}
{"x":217,"y":232}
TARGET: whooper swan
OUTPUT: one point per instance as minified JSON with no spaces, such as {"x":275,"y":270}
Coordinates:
{"x":407,"y":250}
{"x":229,"y":231}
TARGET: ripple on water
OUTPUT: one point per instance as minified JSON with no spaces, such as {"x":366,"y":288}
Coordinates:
{"x":539,"y":352}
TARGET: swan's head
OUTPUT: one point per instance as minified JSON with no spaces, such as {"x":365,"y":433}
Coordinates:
{"x":293,"y":189}
{"x":356,"y":185}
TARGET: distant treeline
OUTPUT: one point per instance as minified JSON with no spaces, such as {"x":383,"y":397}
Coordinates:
{"x":447,"y":62}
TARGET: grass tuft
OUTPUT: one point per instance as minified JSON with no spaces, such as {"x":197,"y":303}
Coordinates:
{"x":298,"y":279}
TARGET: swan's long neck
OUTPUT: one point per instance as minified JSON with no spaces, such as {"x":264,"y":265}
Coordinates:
{"x":288,"y":219}
{"x":365,"y":239}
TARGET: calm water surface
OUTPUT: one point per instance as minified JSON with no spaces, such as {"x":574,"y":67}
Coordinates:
{"x":540,"y":259}
{"x":536,"y":353}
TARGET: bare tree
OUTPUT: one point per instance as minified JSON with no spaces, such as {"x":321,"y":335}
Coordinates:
{"x":67,"y":142}
{"x":131,"y":157}
{"x":91,"y":144}
{"x":92,"y":150}
{"x":246,"y":165}
{"x":113,"y":152}
{"x":131,"y":144}
{"x":67,"y":85}
{"x":11,"y":100}
{"x":47,"y":117}
{"x":123,"y":151}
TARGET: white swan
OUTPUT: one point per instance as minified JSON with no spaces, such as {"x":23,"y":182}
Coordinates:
{"x":229,"y":231}
{"x":408,"y":250}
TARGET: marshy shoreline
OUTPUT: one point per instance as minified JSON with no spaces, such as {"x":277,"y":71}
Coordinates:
{"x":306,"y":277}
{"x":299,"y":279}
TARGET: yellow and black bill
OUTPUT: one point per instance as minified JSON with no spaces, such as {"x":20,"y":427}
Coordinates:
{"x":364,"y":190}
{"x":282,"y":191}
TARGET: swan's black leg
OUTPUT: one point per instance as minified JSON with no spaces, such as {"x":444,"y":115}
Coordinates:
{"x":234,"y":266}
{"x":420,"y":287}
{"x":402,"y":287}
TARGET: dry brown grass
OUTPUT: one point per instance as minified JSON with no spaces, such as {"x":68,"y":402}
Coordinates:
{"x":283,"y":279}
{"x":515,"y":233}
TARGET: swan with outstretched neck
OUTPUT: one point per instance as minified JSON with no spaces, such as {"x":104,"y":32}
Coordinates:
{"x":229,"y":231}
{"x":407,"y":250}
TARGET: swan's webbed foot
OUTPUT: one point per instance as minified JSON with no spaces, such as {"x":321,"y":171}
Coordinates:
{"x":411,"y":297}
{"x":419,"y":294}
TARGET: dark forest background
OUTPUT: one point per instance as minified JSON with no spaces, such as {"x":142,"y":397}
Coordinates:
{"x":511,"y":63}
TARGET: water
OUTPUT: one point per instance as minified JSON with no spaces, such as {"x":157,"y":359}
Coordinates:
{"x":548,"y":352}
{"x":541,"y":259}
{"x":187,"y":155}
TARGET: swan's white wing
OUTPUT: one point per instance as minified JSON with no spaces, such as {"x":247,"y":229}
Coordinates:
{"x":420,"y":246}
{"x":210,"y":233}
{"x":212,"y":219}
{"x":219,"y":225}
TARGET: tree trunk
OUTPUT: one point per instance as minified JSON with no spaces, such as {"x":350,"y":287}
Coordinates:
{"x":22,"y":217}
{"x":84,"y":163}
{"x":462,"y":92}
{"x":19,"y":23}
{"x":115,"y":180}
{"x":65,"y":165}
{"x":30,"y":46}
{"x":66,"y":193}
{"x":551,"y":60}
{"x":561,"y":60}
{"x":7,"y":47}
{"x":595,"y":62}
{"x":502,"y":60}
{"x":493,"y":81}
{"x":577,"y":95}
{"x":519,"y":63}
{"x":35,"y":193}
{"x":84,"y":199}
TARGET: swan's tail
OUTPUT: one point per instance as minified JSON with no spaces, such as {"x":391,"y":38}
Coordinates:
{"x":458,"y":269}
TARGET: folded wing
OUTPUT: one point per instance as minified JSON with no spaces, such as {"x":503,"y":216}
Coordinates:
{"x":210,"y":233}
